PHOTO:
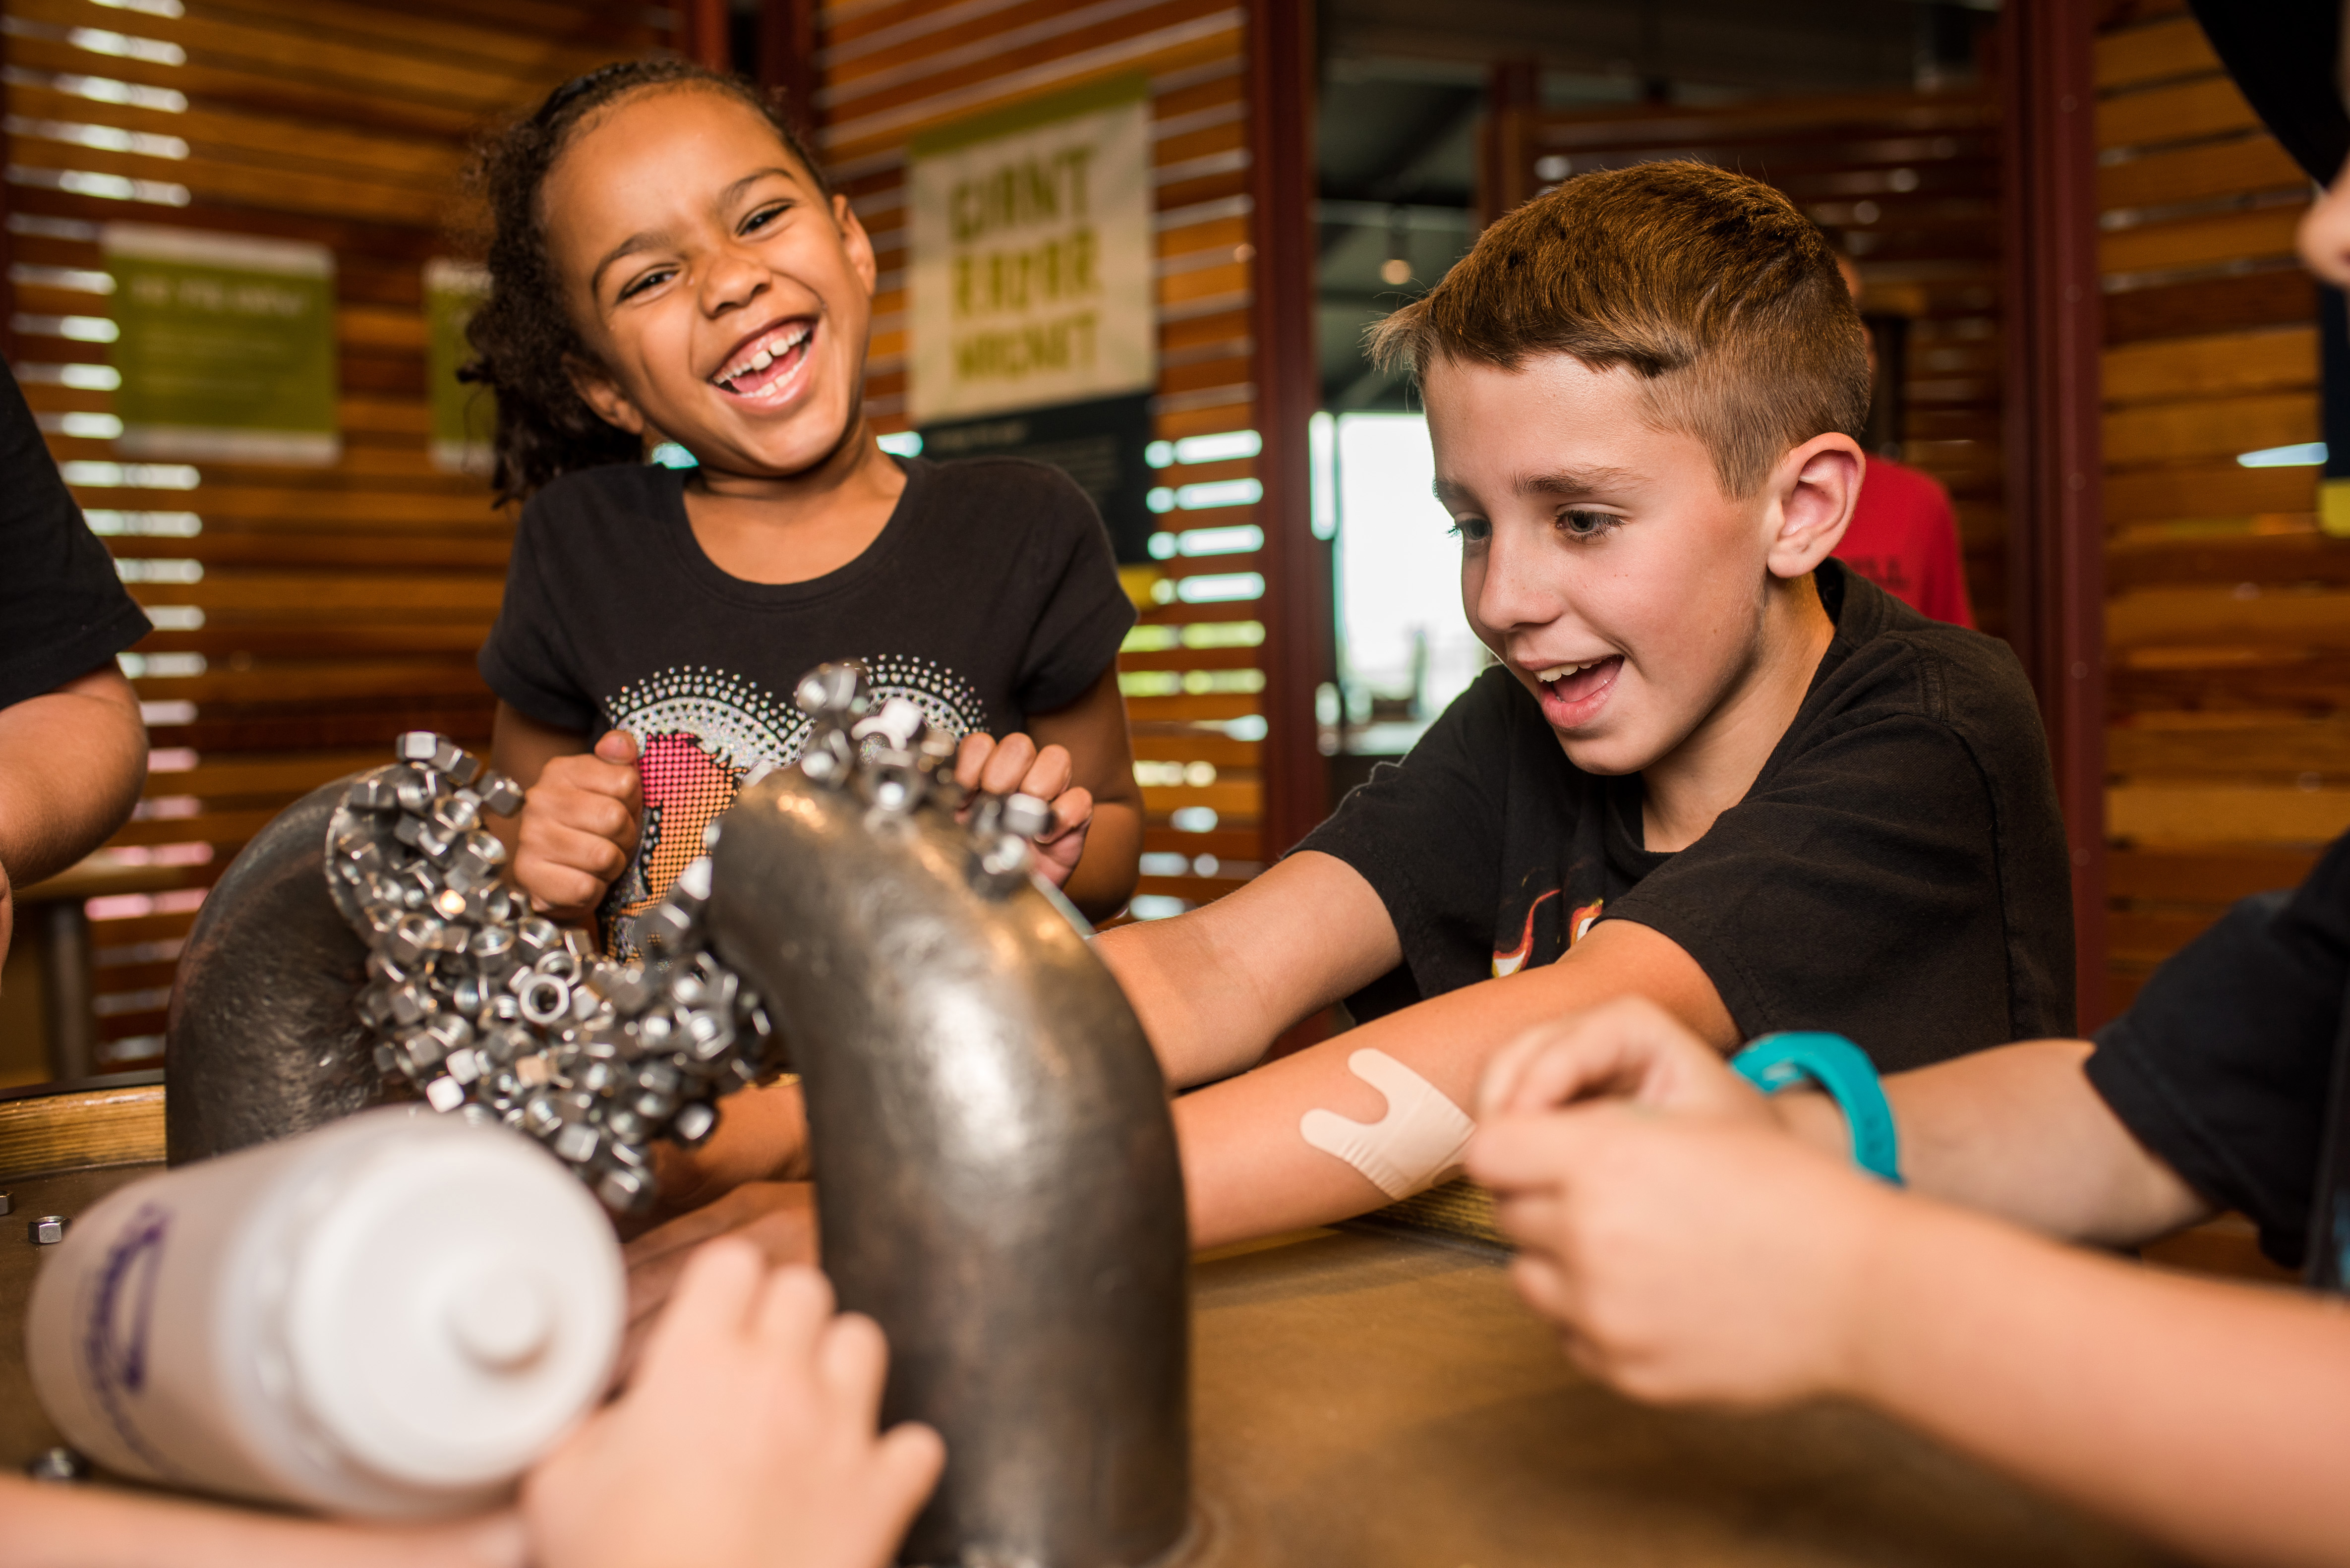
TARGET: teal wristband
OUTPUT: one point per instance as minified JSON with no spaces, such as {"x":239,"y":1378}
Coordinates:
{"x":1844,"y":1070}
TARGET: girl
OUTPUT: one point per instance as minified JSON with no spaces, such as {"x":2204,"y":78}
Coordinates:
{"x":669,"y":264}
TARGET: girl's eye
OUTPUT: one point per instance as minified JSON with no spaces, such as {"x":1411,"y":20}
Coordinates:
{"x":764,"y":216}
{"x":1470,"y":530}
{"x":637,"y":285}
{"x":1580,"y":524}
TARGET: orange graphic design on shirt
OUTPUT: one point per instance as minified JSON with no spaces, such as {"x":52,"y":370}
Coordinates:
{"x":1516,"y":960}
{"x":1580,"y":921}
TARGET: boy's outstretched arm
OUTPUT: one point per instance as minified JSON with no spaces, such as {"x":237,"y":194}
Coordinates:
{"x":1214,"y":987}
{"x":577,"y":829}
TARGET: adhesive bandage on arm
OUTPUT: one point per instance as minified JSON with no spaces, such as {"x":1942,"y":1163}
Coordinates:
{"x":1414,"y":1145}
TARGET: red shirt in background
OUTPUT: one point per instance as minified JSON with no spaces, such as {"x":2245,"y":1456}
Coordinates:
{"x":1904,"y":539}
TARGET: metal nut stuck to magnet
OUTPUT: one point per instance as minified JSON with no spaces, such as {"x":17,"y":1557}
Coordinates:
{"x":47,"y":1230}
{"x":58,"y":1464}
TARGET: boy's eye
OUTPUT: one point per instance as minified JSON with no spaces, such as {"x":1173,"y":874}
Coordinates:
{"x":1580,"y":524}
{"x":1469,"y":530}
{"x":764,"y":216}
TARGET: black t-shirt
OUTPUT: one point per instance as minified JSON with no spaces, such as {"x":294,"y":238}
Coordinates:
{"x":2222,"y":1066}
{"x":63,"y":610}
{"x":1897,"y":872}
{"x":988,"y":595}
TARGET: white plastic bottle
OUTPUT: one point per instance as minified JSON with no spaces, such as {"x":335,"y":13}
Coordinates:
{"x":390,"y":1316}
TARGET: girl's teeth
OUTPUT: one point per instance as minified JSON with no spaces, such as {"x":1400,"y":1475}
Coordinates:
{"x":761,"y":359}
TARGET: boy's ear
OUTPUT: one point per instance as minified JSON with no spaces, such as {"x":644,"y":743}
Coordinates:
{"x":601,"y":393}
{"x":858,"y":243}
{"x":1816,"y":485}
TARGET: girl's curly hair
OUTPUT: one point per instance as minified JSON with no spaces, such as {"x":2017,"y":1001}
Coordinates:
{"x":520,"y":335}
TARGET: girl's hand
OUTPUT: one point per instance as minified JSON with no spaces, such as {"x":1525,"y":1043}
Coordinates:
{"x":578,"y":828}
{"x":1014,"y":765}
{"x":1688,"y":1257}
{"x":748,"y":1439}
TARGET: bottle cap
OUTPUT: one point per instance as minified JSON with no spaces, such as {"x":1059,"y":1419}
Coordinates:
{"x":455,"y":1304}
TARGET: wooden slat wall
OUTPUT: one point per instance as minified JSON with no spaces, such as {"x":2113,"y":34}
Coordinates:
{"x":2228,"y":623}
{"x":891,"y":68}
{"x":1910,"y":182}
{"x":305,"y":616}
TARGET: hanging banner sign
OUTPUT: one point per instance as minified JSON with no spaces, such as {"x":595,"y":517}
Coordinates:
{"x":226,"y":345}
{"x":1030,"y":231}
{"x":464,"y":414}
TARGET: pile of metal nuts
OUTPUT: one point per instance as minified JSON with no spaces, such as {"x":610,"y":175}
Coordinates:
{"x":490,"y":1011}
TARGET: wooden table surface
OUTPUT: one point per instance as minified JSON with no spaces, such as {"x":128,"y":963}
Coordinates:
{"x":1374,"y":1400}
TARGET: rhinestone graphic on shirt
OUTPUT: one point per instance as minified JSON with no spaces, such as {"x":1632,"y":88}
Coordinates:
{"x":700,"y":730}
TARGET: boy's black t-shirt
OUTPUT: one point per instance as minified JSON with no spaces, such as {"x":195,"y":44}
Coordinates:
{"x":1898,"y":873}
{"x":2222,"y":1066}
{"x":63,"y":609}
{"x":990,"y":595}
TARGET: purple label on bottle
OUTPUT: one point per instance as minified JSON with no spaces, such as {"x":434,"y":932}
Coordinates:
{"x":117,"y":1315}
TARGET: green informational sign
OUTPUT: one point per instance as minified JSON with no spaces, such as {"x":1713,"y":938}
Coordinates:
{"x":464,"y":416}
{"x":226,"y":349}
{"x":1031,"y":274}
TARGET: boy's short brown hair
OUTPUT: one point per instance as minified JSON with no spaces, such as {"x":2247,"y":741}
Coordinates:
{"x":1713,"y":286}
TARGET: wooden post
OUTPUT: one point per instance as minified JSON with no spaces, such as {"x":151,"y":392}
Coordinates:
{"x":1512,"y":98}
{"x":1299,"y":652}
{"x":2053,"y":450}
{"x":788,"y":58}
{"x":702,"y":34}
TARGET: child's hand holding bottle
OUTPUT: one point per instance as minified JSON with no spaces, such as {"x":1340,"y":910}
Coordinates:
{"x":577,"y":829}
{"x":1013,"y":765}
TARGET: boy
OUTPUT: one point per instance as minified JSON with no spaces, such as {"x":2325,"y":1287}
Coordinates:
{"x":1713,"y":768}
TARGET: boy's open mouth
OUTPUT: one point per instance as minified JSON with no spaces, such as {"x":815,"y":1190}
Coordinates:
{"x":763,"y":368}
{"x":1571,"y":693}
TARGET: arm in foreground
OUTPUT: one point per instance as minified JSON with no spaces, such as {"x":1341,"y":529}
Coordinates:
{"x":49,"y":1525}
{"x":71,"y":763}
{"x":747,"y":1440}
{"x":1647,"y":1185}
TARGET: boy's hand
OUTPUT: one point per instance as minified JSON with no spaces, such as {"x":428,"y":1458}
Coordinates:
{"x":1689,"y":1256}
{"x":1014,"y":765}
{"x":578,"y":826}
{"x":748,"y":1439}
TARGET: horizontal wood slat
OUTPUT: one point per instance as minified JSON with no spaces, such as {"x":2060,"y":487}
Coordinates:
{"x":2241,"y":167}
{"x":2200,"y":242}
{"x":2194,"y":815}
{"x":2206,"y":106}
{"x":2207,"y":490}
{"x":2171,"y":432}
{"x":2211,"y":367}
{"x":2150,"y":54}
